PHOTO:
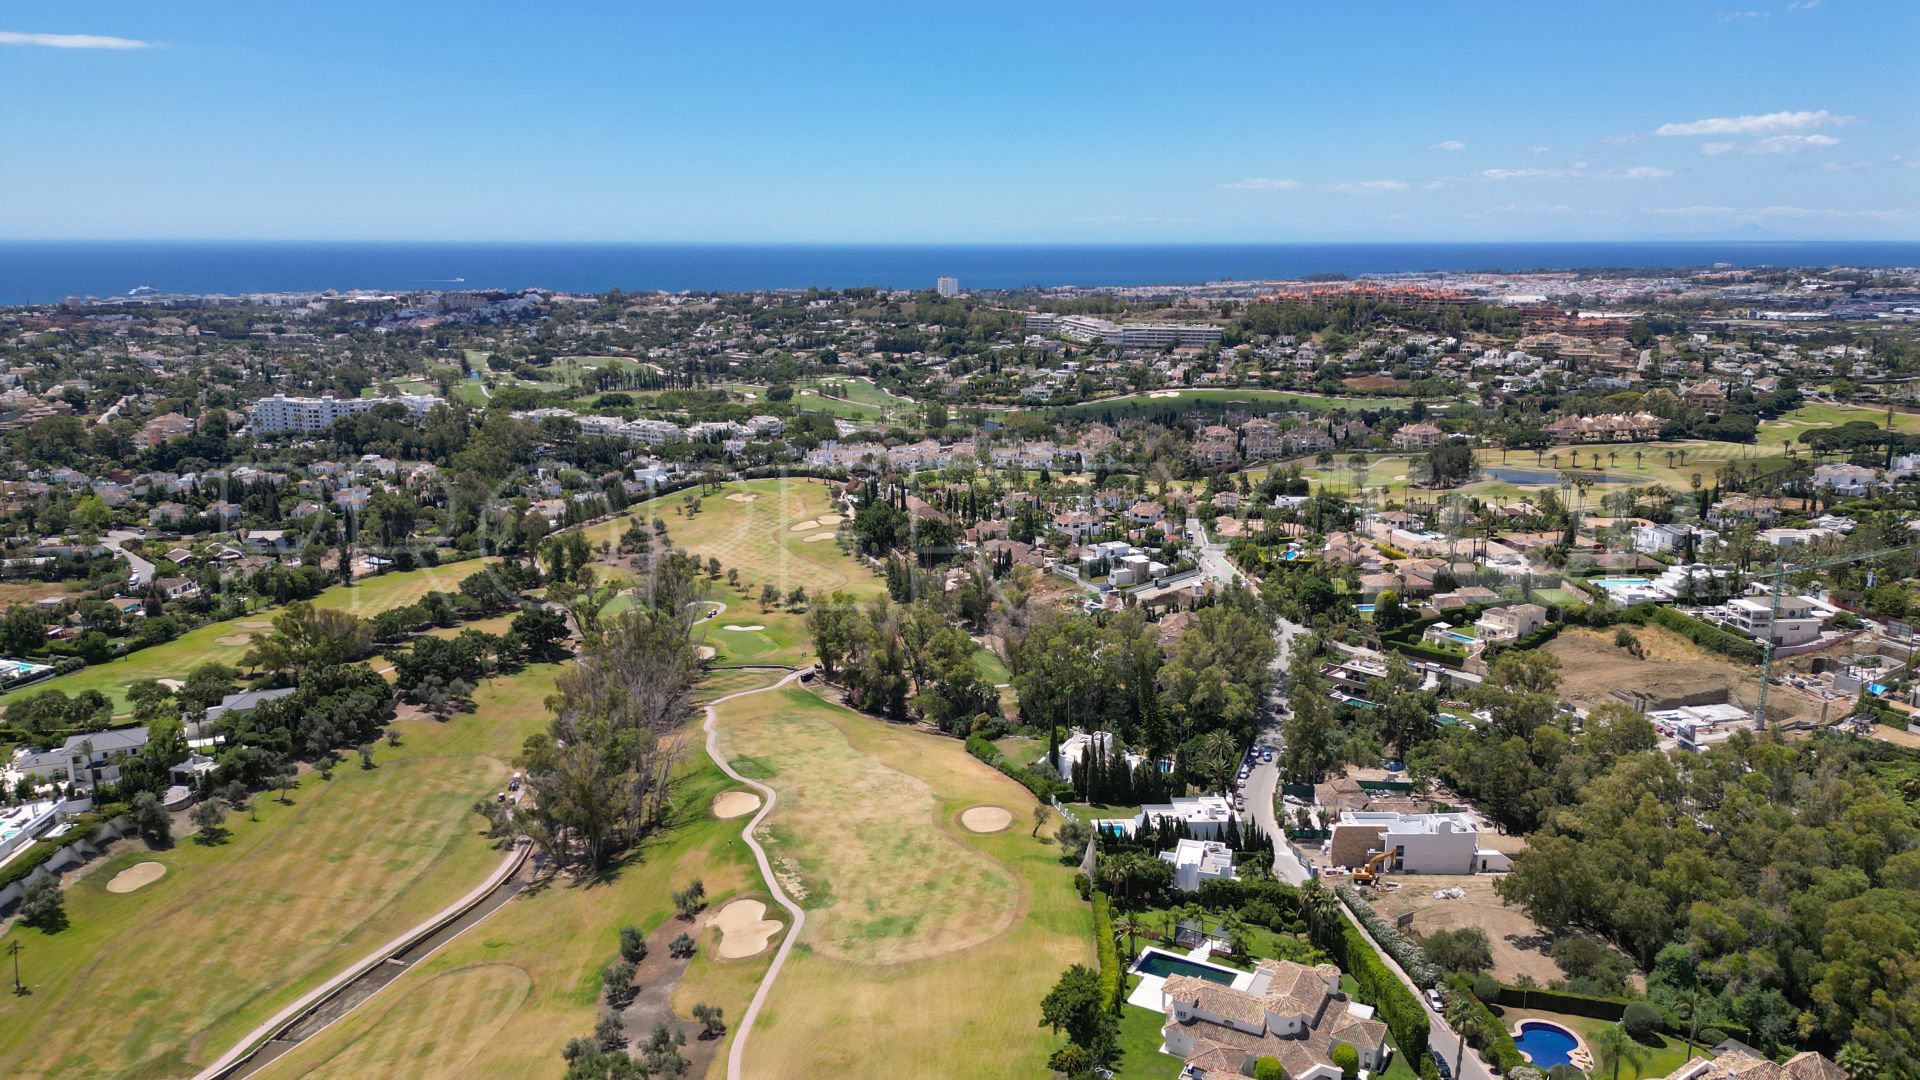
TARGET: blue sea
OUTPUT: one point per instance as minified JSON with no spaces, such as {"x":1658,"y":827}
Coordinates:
{"x":45,"y":272}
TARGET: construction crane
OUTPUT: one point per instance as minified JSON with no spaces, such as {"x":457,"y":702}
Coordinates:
{"x":1779,"y":574}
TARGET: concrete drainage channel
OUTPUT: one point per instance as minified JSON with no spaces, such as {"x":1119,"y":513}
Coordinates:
{"x":350,"y":994}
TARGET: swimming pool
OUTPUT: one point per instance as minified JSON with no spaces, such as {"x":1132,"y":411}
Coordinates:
{"x":1460,"y":637}
{"x":1546,"y":1043}
{"x":1366,"y":608}
{"x":1622,"y":582}
{"x":1155,"y":962}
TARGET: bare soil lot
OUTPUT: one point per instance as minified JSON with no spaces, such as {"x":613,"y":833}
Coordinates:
{"x":1675,"y":672}
{"x":1519,"y":946}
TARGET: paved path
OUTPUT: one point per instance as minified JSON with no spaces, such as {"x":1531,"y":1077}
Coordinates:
{"x":768,"y":798}
{"x":292,"y":1012}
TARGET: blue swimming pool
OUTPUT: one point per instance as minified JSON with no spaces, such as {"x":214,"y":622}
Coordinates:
{"x":1367,"y":608}
{"x":1155,"y":962}
{"x":1545,"y":1043}
{"x":1621,"y":582}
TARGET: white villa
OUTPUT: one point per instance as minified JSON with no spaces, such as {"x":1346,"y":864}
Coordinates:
{"x":1420,"y":843}
{"x":1290,"y":1012}
{"x":1196,"y":862}
{"x":1206,"y":817}
{"x":1078,"y":745}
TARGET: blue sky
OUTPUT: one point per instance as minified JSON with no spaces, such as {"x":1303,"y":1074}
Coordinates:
{"x":980,"y":122}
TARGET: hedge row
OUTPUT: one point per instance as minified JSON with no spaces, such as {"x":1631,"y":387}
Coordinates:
{"x":1424,"y":651}
{"x":1485,"y":1033}
{"x":1378,"y":986}
{"x":1223,"y":893}
{"x":1704,"y":634}
{"x":1537,"y":638}
{"x":1042,"y":788}
{"x":83,"y":827}
{"x":1405,"y":950}
{"x":1561,"y":1001}
{"x":1113,"y":979}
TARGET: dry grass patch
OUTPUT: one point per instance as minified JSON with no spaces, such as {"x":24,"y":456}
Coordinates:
{"x":541,"y":956}
{"x":159,"y":982}
{"x":761,"y":537}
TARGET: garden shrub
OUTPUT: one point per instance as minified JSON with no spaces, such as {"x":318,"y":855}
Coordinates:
{"x":1112,"y":975}
{"x":1641,"y":1021}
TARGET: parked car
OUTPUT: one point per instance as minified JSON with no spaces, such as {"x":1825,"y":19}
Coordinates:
{"x":1440,"y":1063}
{"x":1435,"y":1000}
{"x":1267,"y":754}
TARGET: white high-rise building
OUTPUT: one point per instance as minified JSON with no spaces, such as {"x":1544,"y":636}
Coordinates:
{"x":947,"y":286}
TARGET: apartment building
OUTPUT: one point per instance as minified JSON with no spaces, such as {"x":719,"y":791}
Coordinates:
{"x":308,"y":414}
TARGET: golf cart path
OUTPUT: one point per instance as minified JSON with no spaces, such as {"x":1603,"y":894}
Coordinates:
{"x":769,"y":797}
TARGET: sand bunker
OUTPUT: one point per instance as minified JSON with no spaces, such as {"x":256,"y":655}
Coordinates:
{"x":741,"y":497}
{"x":817,"y":537}
{"x":830,"y":519}
{"x":743,"y":931}
{"x":1164,"y":394}
{"x":255,"y":624}
{"x":137,"y":876}
{"x":986,"y":818}
{"x":234,"y":639}
{"x":738,"y":627}
{"x":172,"y":684}
{"x":804,"y":526}
{"x":733,"y":804}
{"x":705,"y":652}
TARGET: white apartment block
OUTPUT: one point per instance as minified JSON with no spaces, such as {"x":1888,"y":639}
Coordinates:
{"x":1091,"y":328}
{"x":282,"y":413}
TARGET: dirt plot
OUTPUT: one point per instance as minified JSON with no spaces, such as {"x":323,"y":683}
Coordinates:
{"x":1519,"y":946}
{"x":1675,"y":672}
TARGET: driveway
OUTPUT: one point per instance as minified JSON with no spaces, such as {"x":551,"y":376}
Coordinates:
{"x":142,"y":569}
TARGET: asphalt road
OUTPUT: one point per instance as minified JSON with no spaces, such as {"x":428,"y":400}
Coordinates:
{"x":142,"y":569}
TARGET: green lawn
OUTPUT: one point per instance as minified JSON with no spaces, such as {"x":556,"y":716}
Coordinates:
{"x":991,"y":667}
{"x":1140,"y":1056}
{"x":160,"y":981}
{"x":226,"y":642}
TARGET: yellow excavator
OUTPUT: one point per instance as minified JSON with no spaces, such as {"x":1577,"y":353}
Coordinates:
{"x":1369,"y":873}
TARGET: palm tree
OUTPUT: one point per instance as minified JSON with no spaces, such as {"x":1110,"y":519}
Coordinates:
{"x":1460,"y":1016}
{"x":1669,"y":459}
{"x":1637,"y":455}
{"x":1612,"y":1045}
{"x":1130,"y":926}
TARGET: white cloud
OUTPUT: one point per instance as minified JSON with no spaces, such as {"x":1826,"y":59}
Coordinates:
{"x":1803,"y":5}
{"x":1790,"y":144}
{"x":1715,"y":149}
{"x":1449,"y":145}
{"x":1364,"y":187}
{"x":1528,"y":174}
{"x":1690,"y":211}
{"x":1735,"y":16}
{"x":1827,"y":212}
{"x":1639,"y":172}
{"x":1538,"y":149}
{"x":1756,"y":123}
{"x":1261,"y":183}
{"x":72,"y":41}
{"x":1843,"y":166}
